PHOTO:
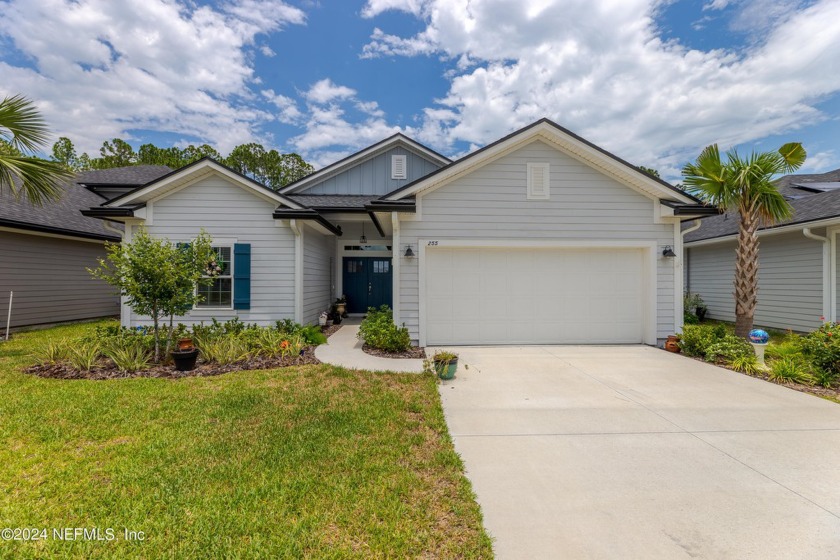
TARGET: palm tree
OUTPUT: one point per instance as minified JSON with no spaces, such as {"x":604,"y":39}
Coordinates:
{"x":744,"y":184}
{"x":23,"y":131}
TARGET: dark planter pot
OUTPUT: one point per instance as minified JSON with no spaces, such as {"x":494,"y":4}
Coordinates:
{"x":446,"y":370}
{"x":185,"y":359}
{"x":700,"y":312}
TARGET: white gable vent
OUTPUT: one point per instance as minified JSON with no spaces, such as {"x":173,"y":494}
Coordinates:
{"x":538,"y":186}
{"x":398,"y":165}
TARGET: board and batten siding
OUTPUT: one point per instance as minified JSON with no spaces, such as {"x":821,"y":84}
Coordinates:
{"x":374,"y":175}
{"x":317,"y":269}
{"x":229,"y":212}
{"x":490,"y":203}
{"x":790,"y":281}
{"x":50,"y":280}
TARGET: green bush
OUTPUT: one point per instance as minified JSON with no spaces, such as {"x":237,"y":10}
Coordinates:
{"x":746,"y":364}
{"x":695,"y":339}
{"x":728,"y":348}
{"x":690,"y":318}
{"x":129,"y":355}
{"x":84,"y":355}
{"x":224,"y":350}
{"x":54,"y":351}
{"x":379,"y":331}
{"x":822,"y":348}
{"x":787,"y":370}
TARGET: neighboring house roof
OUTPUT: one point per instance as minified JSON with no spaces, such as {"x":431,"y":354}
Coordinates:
{"x":135,"y":175}
{"x":808,"y":206}
{"x":397,"y":139}
{"x":59,"y":217}
{"x":334,"y":201}
{"x":549,"y":131}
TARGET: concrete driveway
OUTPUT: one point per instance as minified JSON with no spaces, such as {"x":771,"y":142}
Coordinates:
{"x":632,"y":452}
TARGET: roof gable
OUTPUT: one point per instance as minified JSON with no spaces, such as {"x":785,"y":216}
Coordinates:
{"x":188,"y":175}
{"x":560,"y":138}
{"x":398,"y":143}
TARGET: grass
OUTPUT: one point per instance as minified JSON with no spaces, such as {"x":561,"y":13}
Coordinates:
{"x":303,"y":462}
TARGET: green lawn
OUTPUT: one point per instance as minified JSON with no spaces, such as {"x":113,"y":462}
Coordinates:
{"x":305,"y":462}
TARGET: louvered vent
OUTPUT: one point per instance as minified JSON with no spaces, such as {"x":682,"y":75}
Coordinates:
{"x":538,"y":185}
{"x":398,"y":167}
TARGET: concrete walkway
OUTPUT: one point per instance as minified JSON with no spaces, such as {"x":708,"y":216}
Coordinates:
{"x":344,"y":349}
{"x":632,"y":452}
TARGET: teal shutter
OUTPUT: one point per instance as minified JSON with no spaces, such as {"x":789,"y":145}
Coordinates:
{"x":242,"y":276}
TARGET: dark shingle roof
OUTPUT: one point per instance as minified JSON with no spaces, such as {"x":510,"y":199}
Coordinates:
{"x":333,"y":201}
{"x":130,"y":175}
{"x":807,"y":207}
{"x":62,"y":216}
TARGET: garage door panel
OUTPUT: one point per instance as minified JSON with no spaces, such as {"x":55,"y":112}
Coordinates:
{"x":533,"y":296}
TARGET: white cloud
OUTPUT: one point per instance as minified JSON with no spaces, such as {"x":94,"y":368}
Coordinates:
{"x":601,"y":69}
{"x":820,"y":161}
{"x":325,"y":90}
{"x":156,"y":64}
{"x":289,"y":112}
{"x":375,"y":7}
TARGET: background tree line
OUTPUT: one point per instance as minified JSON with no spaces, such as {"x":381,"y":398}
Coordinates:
{"x":268,"y":167}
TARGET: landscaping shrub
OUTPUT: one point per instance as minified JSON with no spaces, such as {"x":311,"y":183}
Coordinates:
{"x":224,"y":350}
{"x":379,"y":331}
{"x":695,"y":339}
{"x":822,"y":348}
{"x":54,"y":351}
{"x":746,"y":364}
{"x":83,"y":355}
{"x":728,"y":348}
{"x":790,"y":370}
{"x":130,"y":355}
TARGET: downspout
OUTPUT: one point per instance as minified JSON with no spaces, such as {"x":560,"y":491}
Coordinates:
{"x":828,"y":308}
{"x":107,"y":224}
{"x":298,"y":231}
{"x":679,"y":307}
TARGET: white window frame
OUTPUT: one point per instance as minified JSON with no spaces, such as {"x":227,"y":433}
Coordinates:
{"x":394,"y":160}
{"x":229,"y":275}
{"x":531,"y":195}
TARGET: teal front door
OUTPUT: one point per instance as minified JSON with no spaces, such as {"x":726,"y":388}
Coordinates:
{"x":367,"y":282}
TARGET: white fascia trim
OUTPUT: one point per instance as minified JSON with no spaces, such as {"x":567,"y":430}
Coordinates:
{"x":362,"y":156}
{"x":195,"y":173}
{"x":574,"y":148}
{"x":832,"y":274}
{"x":298,"y":231}
{"x":649,"y":266}
{"x":828,"y":222}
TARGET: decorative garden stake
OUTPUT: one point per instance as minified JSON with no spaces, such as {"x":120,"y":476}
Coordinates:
{"x":758,"y":339}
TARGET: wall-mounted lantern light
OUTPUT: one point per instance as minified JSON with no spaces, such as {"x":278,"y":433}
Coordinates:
{"x":668,"y":252}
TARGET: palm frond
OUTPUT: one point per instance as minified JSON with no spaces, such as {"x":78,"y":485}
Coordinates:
{"x":706,"y":178}
{"x":771,"y":204}
{"x":38,"y":179}
{"x":793,"y":155}
{"x":21,"y":124}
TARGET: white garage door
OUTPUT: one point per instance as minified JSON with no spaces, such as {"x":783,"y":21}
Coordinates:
{"x":533,"y":296}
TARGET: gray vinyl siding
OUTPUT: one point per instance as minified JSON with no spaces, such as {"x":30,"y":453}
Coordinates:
{"x":790,"y":281}
{"x":49,"y":278}
{"x":374,"y":175}
{"x":227,"y":211}
{"x":490,"y":203}
{"x":317,"y":269}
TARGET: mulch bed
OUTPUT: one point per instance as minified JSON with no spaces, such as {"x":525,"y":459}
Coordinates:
{"x":106,"y":370}
{"x":414,"y":352}
{"x":329,"y":331}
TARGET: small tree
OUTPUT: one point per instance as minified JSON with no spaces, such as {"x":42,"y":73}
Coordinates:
{"x":157,"y":277}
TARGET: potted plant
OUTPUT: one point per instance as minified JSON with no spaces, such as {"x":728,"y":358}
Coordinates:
{"x":445,"y":364}
{"x":693,"y":303}
{"x":185,"y":359}
{"x":322,"y":318}
{"x":341,"y":306}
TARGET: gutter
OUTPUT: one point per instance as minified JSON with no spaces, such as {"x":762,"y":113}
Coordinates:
{"x":829,"y":311}
{"x":306,"y":214}
{"x":298,"y":231}
{"x":391,"y":206}
{"x":12,"y":224}
{"x":679,"y":263}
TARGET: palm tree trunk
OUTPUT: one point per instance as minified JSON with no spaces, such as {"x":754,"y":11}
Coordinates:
{"x":746,"y":274}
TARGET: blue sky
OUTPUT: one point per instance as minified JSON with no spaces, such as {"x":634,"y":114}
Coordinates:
{"x":652,"y":81}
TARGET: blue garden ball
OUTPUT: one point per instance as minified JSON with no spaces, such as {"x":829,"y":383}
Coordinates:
{"x":758,"y":336}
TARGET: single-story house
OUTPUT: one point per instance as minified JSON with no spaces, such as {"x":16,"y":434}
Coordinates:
{"x":798,"y":260}
{"x":44,"y":250}
{"x":540,"y":237}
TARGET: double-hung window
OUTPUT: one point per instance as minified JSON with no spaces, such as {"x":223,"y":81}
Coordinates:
{"x":219,"y":294}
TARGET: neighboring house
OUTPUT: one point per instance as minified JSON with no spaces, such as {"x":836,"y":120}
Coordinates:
{"x":45,"y":250}
{"x":538,"y":238}
{"x":797,"y":277}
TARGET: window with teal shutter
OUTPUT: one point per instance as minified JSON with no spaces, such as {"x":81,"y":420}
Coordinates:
{"x":242,"y":276}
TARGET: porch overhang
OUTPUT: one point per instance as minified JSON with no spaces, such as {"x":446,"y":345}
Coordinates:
{"x":306,"y":214}
{"x":695,"y":210}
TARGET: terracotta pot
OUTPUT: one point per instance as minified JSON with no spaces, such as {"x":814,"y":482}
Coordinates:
{"x":673,"y":344}
{"x":185,"y":344}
